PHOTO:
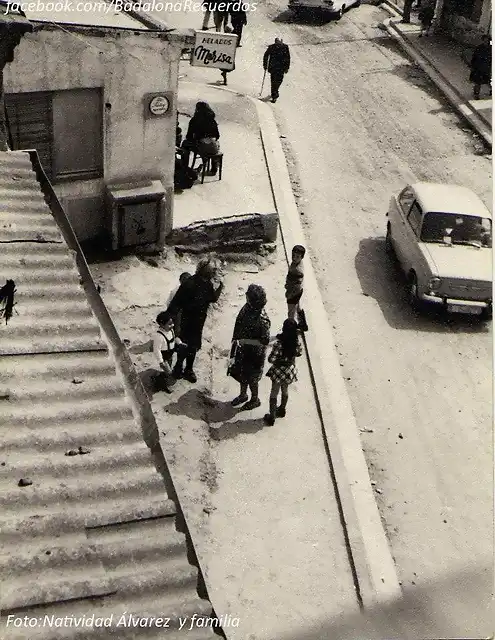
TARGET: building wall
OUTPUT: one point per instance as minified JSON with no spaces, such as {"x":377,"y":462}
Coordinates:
{"x":466,"y":26}
{"x":127,"y":65}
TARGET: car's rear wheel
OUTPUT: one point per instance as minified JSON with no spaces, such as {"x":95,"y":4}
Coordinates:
{"x":412,"y":291}
{"x":389,"y":247}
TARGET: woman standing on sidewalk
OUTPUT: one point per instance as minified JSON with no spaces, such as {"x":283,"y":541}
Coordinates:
{"x":192,"y":301}
{"x":251,"y":337}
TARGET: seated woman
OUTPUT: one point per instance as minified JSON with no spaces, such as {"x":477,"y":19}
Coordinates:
{"x":202,"y":134}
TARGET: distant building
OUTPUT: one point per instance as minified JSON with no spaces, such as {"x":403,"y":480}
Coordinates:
{"x":80,"y":91}
{"x":464,"y":20}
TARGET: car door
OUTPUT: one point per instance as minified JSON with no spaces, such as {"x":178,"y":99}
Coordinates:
{"x":398,"y":222}
{"x":414,"y":258}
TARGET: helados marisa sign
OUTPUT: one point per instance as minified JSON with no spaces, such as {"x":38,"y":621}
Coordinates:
{"x":216,"y":50}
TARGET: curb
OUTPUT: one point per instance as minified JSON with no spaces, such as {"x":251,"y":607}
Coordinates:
{"x":456,"y":100}
{"x":374,"y":568}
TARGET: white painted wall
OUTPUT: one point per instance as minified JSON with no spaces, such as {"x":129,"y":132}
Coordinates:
{"x":127,"y":65}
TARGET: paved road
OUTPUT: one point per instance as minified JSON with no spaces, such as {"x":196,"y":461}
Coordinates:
{"x":360,"y":122}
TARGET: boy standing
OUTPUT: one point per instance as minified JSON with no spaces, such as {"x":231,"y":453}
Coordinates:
{"x":294,"y":281}
{"x":165,"y":344}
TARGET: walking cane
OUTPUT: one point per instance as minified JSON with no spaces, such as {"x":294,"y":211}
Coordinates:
{"x":264,"y":76}
{"x":262,"y":83}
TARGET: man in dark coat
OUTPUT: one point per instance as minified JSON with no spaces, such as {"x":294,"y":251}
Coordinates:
{"x":277,"y":62}
{"x":481,"y":66}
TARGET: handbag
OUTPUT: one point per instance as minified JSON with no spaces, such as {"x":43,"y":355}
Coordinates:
{"x":301,"y":320}
{"x":233,"y":367}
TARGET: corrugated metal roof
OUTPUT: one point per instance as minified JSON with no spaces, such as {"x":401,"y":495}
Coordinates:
{"x":93,"y":532}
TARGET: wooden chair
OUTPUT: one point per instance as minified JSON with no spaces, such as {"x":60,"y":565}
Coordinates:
{"x":207,"y":164}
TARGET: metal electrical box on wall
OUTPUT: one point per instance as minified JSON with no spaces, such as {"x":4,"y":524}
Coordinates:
{"x":135,"y":213}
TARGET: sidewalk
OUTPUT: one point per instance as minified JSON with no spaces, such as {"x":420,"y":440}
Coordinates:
{"x":260,"y":501}
{"x":241,"y":146}
{"x":446,"y":62}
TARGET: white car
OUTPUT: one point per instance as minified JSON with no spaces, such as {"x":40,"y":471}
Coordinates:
{"x":335,"y":8}
{"x":442,"y":237}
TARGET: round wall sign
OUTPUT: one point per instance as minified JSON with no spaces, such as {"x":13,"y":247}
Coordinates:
{"x":159,"y":105}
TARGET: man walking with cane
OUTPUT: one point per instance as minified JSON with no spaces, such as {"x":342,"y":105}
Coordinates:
{"x":277,"y":62}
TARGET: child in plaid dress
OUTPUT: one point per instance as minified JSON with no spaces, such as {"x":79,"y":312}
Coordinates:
{"x":283,"y":371}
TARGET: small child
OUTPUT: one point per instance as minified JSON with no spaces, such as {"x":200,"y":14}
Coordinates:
{"x":294,"y":281}
{"x":283,"y":371}
{"x":165,"y":344}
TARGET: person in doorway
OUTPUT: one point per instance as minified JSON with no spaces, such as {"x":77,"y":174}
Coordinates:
{"x":238,"y":19}
{"x":283,"y":371}
{"x":276,"y":61}
{"x":252,"y":335}
{"x":192,"y":301}
{"x":203,"y":135}
{"x":481,"y":67}
{"x":294,"y":281}
{"x":165,"y":344}
{"x":426,"y":15}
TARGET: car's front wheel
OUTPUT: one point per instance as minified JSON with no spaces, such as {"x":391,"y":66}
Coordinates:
{"x":413,"y":291}
{"x":340,"y":13}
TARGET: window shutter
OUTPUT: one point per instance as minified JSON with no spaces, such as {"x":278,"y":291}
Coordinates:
{"x":30,"y":123}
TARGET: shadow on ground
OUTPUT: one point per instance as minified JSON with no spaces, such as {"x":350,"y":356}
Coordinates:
{"x":382,"y":279}
{"x":307,"y":17}
{"x":229,"y":430}
{"x":197,"y":405}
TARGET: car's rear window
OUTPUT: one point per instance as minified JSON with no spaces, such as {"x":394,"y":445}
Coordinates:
{"x":456,"y":229}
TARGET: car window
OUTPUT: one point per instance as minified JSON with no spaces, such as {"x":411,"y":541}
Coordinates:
{"x":455,"y":228}
{"x":406,"y":199}
{"x":414,"y":218}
